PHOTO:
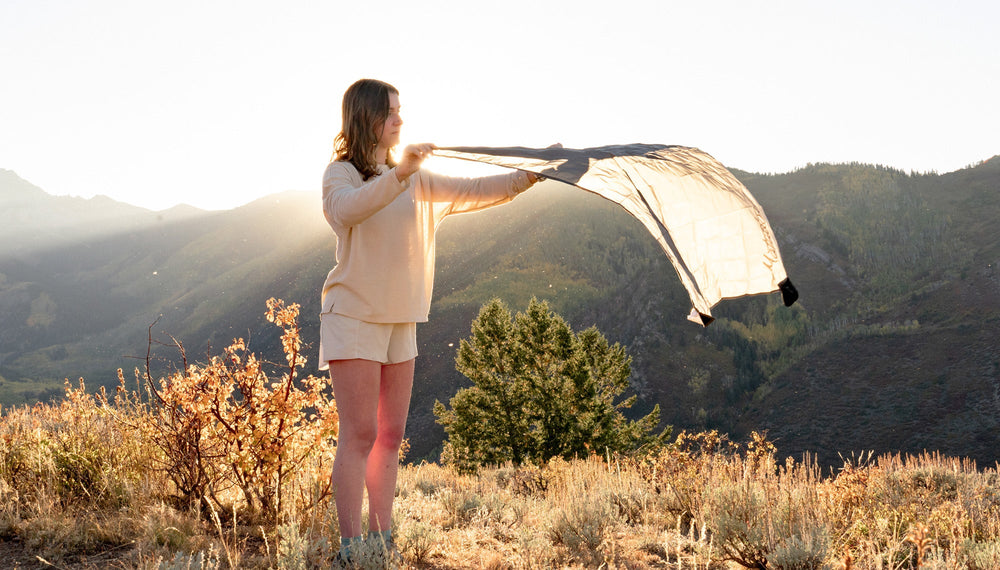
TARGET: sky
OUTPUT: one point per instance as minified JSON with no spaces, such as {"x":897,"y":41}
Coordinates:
{"x":218,"y":103}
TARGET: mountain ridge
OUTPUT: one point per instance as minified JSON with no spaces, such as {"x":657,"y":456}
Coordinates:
{"x":885,"y":262}
{"x":32,"y":220}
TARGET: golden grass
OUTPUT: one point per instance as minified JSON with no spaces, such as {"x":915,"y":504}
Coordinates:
{"x":75,"y":484}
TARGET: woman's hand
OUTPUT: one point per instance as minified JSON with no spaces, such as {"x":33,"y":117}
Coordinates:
{"x":535,"y":178}
{"x":413,"y":156}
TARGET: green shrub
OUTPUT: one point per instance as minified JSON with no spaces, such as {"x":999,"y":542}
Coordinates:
{"x":539,"y":391}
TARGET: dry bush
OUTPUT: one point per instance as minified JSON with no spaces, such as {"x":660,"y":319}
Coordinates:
{"x":916,"y":511}
{"x":225,"y":439}
{"x":752,"y":512}
{"x":461,"y":505}
{"x":763,"y":516}
{"x":59,"y":452}
{"x":581,"y":524}
{"x":227,"y":424}
{"x":418,"y":541}
{"x":61,"y":490}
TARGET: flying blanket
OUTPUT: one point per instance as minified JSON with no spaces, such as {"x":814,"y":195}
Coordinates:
{"x":714,"y":232}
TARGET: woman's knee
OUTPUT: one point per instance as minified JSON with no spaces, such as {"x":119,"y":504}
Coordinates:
{"x":391,"y":436}
{"x":360,"y":439}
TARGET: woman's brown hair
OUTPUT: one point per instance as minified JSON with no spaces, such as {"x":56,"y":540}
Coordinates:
{"x":365,"y":109}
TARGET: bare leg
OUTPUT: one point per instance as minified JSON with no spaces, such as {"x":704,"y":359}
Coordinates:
{"x":356,"y":391}
{"x":383,"y":461}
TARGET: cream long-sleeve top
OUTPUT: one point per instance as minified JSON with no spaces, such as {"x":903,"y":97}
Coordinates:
{"x":385,"y":236}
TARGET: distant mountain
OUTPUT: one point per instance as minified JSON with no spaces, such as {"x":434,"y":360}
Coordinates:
{"x":81,"y":309}
{"x":892,"y":346}
{"x":31,"y":219}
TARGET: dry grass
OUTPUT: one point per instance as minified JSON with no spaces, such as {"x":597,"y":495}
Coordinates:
{"x":79,"y":490}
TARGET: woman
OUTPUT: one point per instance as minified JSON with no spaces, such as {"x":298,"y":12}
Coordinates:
{"x":385,"y":215}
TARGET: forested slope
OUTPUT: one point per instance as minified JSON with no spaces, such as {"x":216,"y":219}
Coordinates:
{"x":891,"y":346}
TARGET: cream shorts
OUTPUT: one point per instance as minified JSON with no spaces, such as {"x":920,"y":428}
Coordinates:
{"x":344,"y":338}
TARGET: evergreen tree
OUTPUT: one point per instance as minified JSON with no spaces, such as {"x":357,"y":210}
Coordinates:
{"x":539,"y":391}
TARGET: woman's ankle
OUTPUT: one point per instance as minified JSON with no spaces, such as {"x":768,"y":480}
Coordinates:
{"x":346,"y":542}
{"x":381,"y":535}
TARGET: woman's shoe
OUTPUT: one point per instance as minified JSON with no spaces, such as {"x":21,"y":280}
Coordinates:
{"x":342,"y":561}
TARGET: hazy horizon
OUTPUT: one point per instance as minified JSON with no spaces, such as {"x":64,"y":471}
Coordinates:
{"x":217,"y":104}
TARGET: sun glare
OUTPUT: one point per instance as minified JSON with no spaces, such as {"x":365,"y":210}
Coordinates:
{"x":463,"y":168}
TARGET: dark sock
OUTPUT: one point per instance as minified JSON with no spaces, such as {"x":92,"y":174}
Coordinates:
{"x":345,"y":546}
{"x":382,"y":535}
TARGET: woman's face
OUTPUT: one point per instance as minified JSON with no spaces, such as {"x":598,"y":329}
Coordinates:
{"x":389,"y":137}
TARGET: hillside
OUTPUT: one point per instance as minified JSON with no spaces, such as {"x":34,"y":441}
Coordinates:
{"x":31,"y":220}
{"x":891,"y":346}
{"x":902,"y":352}
{"x":84,"y":309}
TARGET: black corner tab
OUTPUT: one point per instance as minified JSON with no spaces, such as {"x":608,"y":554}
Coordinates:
{"x":789,"y":294}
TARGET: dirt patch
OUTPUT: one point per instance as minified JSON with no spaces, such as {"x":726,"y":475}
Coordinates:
{"x":14,"y":555}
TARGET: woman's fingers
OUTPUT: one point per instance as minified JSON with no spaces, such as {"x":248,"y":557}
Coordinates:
{"x":413,"y":155}
{"x":421,"y":151}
